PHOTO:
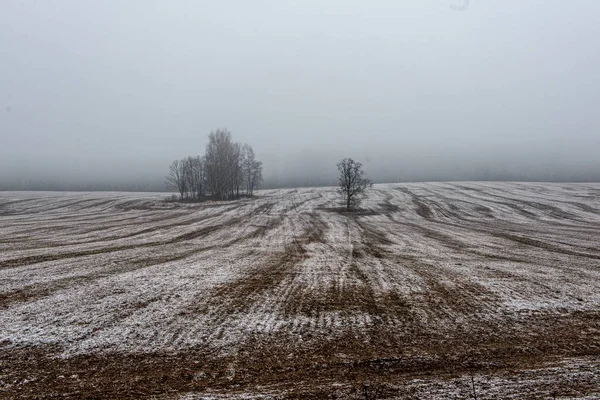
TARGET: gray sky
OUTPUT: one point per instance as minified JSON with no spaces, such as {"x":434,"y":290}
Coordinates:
{"x":413,"y":89}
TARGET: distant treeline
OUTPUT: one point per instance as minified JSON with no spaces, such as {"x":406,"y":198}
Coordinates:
{"x":301,"y":171}
{"x":91,"y":185}
{"x":227,"y":170}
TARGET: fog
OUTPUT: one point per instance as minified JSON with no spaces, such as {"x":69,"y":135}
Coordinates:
{"x":104,"y":95}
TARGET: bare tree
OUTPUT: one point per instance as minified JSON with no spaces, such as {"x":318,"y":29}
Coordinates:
{"x":176,"y":178}
{"x":255,"y":178}
{"x":246,"y":155}
{"x":235,"y":165}
{"x":198,"y":176}
{"x":193,"y":170}
{"x":251,"y":169}
{"x":352,"y":182}
{"x":226,"y":169}
{"x":190,"y":184}
{"x":217,"y":158}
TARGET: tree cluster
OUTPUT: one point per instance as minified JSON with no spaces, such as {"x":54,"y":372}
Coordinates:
{"x":227,"y":170}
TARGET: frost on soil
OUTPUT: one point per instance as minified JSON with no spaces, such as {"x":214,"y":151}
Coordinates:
{"x":285,"y":295}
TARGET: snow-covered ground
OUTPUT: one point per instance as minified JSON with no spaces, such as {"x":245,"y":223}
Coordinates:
{"x":439,"y":278}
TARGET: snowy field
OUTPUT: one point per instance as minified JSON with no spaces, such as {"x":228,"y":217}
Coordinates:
{"x":433,"y":290}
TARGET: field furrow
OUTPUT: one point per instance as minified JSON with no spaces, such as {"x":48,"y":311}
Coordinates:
{"x":427,"y":291}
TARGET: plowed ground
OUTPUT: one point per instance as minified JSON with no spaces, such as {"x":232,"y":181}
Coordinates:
{"x":445,"y":291}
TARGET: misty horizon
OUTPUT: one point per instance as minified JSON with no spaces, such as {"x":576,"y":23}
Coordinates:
{"x":103,"y":96}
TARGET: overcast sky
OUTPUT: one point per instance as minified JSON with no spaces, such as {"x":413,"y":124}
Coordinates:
{"x":89,"y":88}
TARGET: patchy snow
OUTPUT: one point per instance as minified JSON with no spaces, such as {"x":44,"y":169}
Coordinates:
{"x":99,"y":273}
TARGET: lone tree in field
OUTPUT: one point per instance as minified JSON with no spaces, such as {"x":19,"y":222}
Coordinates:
{"x":353,"y":181}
